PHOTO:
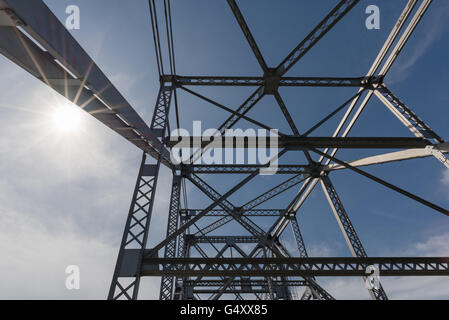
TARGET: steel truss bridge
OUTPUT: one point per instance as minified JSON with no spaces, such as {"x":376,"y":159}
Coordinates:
{"x":33,"y":38}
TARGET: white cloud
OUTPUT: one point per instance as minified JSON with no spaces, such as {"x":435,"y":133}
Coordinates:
{"x":435,"y":27}
{"x":320,"y":250}
{"x":445,"y":179}
{"x":34,"y":260}
{"x":434,"y":246}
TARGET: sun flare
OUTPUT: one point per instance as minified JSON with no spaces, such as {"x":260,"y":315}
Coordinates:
{"x":66,"y":118}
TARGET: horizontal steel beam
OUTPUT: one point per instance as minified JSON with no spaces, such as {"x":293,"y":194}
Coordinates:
{"x":248,"y":213}
{"x":232,"y":291}
{"x":295,"y":142}
{"x":249,"y":282}
{"x":223,"y":239}
{"x":283,"y":82}
{"x":242,"y":169}
{"x":304,"y":267}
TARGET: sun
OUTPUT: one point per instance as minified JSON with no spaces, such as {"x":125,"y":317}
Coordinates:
{"x":66,"y":118}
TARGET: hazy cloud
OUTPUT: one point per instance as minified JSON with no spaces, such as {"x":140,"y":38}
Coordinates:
{"x":434,"y":29}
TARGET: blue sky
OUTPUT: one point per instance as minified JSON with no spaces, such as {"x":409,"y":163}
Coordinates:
{"x":64,"y":197}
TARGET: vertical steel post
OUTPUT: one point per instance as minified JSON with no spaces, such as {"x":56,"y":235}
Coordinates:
{"x":127,"y":273}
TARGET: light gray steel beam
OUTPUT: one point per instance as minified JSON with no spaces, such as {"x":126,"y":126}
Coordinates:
{"x":392,"y":157}
{"x":386,"y":184}
{"x":406,"y":35}
{"x":374,"y":67}
{"x":387,"y":65}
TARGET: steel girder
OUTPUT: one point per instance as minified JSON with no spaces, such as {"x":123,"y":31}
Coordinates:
{"x":242,"y":169}
{"x":172,"y":225}
{"x":226,"y":239}
{"x":299,"y":143}
{"x":127,"y":274}
{"x":183,"y":252}
{"x":283,"y":81}
{"x":313,"y":37}
{"x":244,"y":282}
{"x":298,"y":238}
{"x":135,"y":235}
{"x":249,"y":37}
{"x":303,"y":267}
{"x":248,"y":213}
